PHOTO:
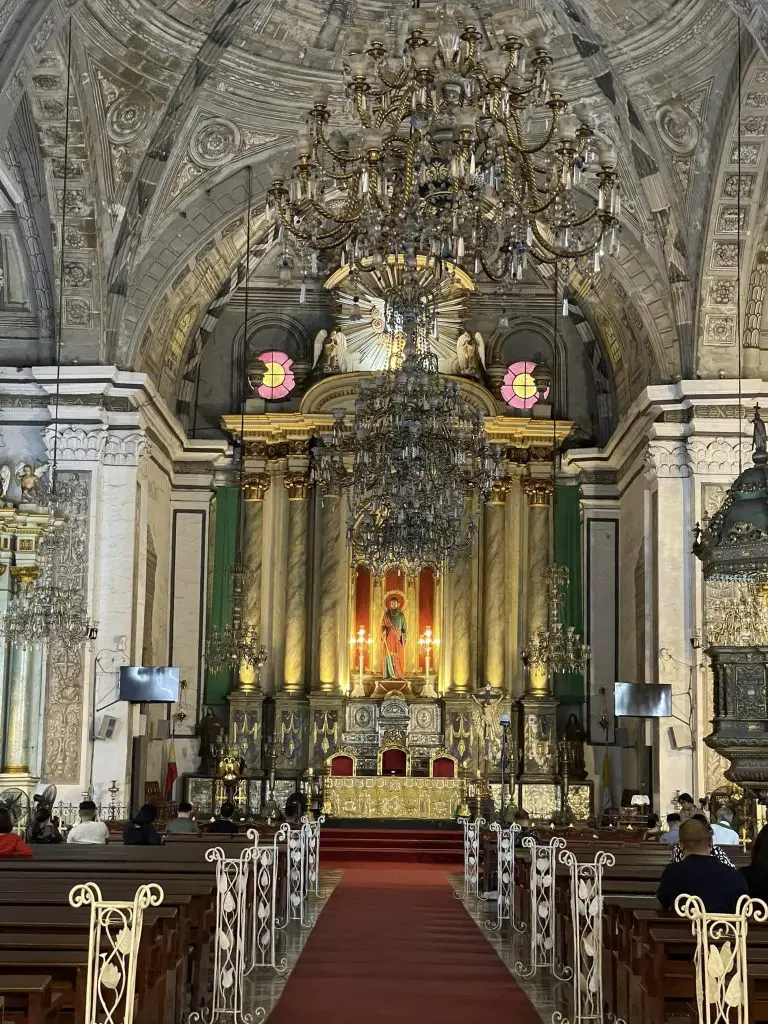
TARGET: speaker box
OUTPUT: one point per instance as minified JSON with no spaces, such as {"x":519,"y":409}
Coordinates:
{"x":106,"y":728}
{"x":680,"y":737}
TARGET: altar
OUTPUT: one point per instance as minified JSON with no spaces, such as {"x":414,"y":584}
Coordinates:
{"x":392,"y":797}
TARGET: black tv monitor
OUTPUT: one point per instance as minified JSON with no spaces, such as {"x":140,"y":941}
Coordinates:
{"x":149,"y":685}
{"x":643,"y":700}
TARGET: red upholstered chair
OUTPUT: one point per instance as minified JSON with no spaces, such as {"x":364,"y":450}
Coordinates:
{"x":394,"y":762}
{"x":444,"y":767}
{"x":342,"y":765}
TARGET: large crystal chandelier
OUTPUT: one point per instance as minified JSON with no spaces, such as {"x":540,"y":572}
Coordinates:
{"x":558,"y":648}
{"x":415,"y":461}
{"x":466,"y":157}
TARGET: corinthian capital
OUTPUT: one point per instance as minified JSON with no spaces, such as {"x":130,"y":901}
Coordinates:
{"x":537,"y":489}
{"x":297,"y":485}
{"x":255,"y":486}
{"x":665,"y":459}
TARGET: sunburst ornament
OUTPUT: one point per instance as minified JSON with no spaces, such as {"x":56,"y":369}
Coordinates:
{"x":372,"y":344}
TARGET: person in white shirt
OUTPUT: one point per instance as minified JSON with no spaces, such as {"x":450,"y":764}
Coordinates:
{"x":89,"y":831}
{"x":723,"y":832}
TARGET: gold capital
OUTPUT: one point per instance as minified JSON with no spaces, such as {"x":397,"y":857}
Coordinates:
{"x":499,"y":491}
{"x":297,"y":485}
{"x":538,"y":490}
{"x":256,"y":486}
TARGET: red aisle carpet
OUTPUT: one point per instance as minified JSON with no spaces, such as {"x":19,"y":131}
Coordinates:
{"x":393,"y":944}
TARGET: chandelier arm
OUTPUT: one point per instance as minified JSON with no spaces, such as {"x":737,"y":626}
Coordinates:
{"x":339,"y":156}
{"x":531,"y":150}
{"x":306,"y":236}
{"x":399,"y":81}
{"x":561,"y":254}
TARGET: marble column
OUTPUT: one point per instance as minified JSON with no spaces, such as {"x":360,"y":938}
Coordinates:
{"x":538,"y":492}
{"x":329,"y":595}
{"x":461,"y":620}
{"x":494,"y":588}
{"x":256,"y":486}
{"x":297,"y":485}
{"x":16,"y":761}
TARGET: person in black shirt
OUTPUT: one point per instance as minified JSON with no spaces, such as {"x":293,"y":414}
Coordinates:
{"x":699,"y":874}
{"x":224,"y":824}
{"x":756,"y":873}
{"x":141,"y":830}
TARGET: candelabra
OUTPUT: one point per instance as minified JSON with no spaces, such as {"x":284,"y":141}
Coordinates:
{"x":428,"y":644}
{"x":360,"y":644}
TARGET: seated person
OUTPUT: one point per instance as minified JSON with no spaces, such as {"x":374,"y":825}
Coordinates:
{"x":721,"y":855}
{"x":43,"y":828}
{"x":141,"y":831}
{"x":686,"y":805}
{"x":653,"y":829}
{"x":295,"y":807}
{"x":724,"y":832}
{"x":89,"y":832}
{"x":224,"y":824}
{"x":756,"y":873}
{"x":182,"y":824}
{"x":672,"y":836}
{"x":699,"y":874}
{"x":11,"y":845}
{"x":523,"y":820}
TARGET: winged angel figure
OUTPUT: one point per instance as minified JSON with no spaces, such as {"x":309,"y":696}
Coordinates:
{"x":330,"y":354}
{"x":29,"y":482}
{"x":470,"y":355}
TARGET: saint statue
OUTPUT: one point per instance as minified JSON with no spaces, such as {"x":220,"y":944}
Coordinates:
{"x":758,"y":433}
{"x":394,"y":630}
{"x":209,"y":731}
{"x":470,"y":355}
{"x":486,"y":719}
{"x":330,"y":354}
{"x":574,"y":748}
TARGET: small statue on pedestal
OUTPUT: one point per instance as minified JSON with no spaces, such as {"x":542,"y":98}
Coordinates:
{"x":208,"y":729}
{"x":574,"y":748}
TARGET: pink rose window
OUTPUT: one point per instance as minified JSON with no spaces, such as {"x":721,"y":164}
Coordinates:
{"x":518,"y":388}
{"x":277,"y":379}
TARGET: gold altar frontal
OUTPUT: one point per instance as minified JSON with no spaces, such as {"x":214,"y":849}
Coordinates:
{"x":392,"y":797}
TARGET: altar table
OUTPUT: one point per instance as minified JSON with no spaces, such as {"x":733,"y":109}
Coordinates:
{"x":391,"y":797}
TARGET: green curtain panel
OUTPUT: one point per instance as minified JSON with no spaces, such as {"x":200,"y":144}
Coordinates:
{"x":220,"y":610}
{"x":569,"y":686}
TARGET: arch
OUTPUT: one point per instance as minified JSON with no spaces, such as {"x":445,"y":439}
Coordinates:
{"x":292,"y":326}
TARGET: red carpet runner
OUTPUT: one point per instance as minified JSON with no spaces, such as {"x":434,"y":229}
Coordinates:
{"x":393,"y":944}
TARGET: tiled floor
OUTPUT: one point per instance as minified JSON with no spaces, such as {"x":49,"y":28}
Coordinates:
{"x":546,"y":993}
{"x":264,"y":986}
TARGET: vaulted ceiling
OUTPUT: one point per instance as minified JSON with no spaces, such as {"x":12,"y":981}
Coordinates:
{"x":173,"y":99}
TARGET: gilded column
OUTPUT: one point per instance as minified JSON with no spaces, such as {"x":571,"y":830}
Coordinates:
{"x":16,"y":756}
{"x":412,"y":639}
{"x":256,"y":486}
{"x":461,"y":619}
{"x":494,"y":588}
{"x":538,"y":492}
{"x":377,"y":609}
{"x":329,"y":597}
{"x":297,"y":485}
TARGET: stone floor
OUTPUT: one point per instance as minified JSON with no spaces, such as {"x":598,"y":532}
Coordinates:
{"x":264,"y":987}
{"x":546,"y":993}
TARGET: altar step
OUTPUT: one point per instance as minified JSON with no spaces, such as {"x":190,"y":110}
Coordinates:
{"x":419,"y":846}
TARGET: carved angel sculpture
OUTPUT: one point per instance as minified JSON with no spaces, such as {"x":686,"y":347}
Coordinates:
{"x":5,"y":480}
{"x":330,"y":352}
{"x":470,"y":355}
{"x":29,"y":482}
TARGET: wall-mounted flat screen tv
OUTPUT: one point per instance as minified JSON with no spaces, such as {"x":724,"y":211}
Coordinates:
{"x":643,"y":700}
{"x":149,"y":685}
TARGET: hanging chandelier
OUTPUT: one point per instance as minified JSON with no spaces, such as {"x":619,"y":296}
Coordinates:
{"x":235,"y":646}
{"x":465,"y":157}
{"x":414,"y":461}
{"x":46,"y":610}
{"x":558,"y":648}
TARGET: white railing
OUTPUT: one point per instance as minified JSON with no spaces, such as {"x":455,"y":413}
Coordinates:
{"x":505,"y":877}
{"x":543,"y":911}
{"x":266,"y":872}
{"x":113,"y":948}
{"x":472,"y":830}
{"x":721,"y":958}
{"x":586,"y":883}
{"x":311,"y":831}
{"x":229,"y":941}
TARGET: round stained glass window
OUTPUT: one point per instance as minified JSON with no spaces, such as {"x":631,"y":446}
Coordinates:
{"x":518,"y":388}
{"x":276,"y":380}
